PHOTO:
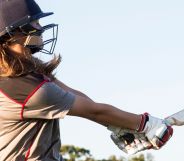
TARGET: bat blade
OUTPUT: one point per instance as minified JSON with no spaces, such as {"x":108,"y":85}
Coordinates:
{"x":176,"y":118}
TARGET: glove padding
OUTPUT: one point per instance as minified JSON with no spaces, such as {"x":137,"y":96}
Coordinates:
{"x":152,"y":133}
{"x":157,"y":131}
{"x":130,"y":142}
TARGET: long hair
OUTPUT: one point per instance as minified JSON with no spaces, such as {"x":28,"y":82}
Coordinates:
{"x":14,"y":65}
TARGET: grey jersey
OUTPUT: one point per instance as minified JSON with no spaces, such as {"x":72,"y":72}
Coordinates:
{"x":30,"y":109}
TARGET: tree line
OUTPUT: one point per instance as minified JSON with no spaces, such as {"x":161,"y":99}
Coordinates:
{"x":74,"y":153}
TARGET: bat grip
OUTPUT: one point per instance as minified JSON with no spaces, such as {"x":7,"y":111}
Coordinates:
{"x":172,"y":121}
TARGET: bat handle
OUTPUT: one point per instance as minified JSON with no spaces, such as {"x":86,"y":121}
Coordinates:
{"x":172,"y":121}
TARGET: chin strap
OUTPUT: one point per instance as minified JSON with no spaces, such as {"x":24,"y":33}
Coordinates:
{"x":33,"y":41}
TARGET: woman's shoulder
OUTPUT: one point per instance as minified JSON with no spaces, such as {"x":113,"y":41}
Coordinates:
{"x":18,"y":88}
{"x":32,"y":76}
{"x":26,"y":81}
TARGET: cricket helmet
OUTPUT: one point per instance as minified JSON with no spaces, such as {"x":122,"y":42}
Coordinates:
{"x":18,"y":14}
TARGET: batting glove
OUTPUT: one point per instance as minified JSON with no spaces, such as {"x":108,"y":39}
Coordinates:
{"x":152,"y":133}
{"x":130,"y":142}
{"x":157,"y":131}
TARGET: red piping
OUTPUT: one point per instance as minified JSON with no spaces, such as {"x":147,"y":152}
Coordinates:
{"x":29,"y":96}
{"x":28,"y":152}
{"x":10,"y":98}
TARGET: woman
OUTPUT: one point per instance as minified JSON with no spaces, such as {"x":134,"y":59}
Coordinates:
{"x":32,"y":100}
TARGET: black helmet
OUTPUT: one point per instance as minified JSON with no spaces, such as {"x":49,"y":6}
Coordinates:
{"x":16,"y":14}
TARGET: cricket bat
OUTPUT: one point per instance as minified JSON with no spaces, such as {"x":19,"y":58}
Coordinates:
{"x":176,"y":118}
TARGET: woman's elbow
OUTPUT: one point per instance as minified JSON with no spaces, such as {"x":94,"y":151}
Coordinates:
{"x":85,"y":108}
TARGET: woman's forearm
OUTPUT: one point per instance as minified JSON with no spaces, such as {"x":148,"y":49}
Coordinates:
{"x":104,"y":114}
{"x":110,"y":115}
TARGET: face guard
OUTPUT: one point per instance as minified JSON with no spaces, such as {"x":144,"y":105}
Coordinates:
{"x":19,"y":18}
{"x":37,"y":40}
{"x":40,"y":40}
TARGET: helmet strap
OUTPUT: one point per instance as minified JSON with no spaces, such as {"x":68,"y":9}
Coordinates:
{"x":33,"y":41}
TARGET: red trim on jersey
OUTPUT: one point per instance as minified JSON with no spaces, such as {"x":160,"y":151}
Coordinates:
{"x":29,"y":96}
{"x":10,"y":98}
{"x":32,"y":141}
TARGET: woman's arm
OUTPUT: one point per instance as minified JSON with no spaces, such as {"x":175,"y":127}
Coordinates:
{"x":155,"y":129}
{"x":69,"y":89}
{"x":103,"y":114}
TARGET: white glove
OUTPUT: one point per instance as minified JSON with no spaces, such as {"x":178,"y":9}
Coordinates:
{"x":152,"y":133}
{"x":131,"y":142}
{"x":158,"y":131}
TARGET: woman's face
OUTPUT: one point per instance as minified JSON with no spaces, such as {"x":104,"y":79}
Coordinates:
{"x":16,"y":44}
{"x":21,"y":42}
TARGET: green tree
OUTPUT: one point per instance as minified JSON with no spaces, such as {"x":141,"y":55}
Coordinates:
{"x":73,"y":153}
{"x":138,"y":158}
{"x":141,"y":157}
{"x":114,"y":158}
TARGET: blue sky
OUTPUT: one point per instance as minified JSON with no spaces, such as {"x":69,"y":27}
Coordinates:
{"x":126,"y":53}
